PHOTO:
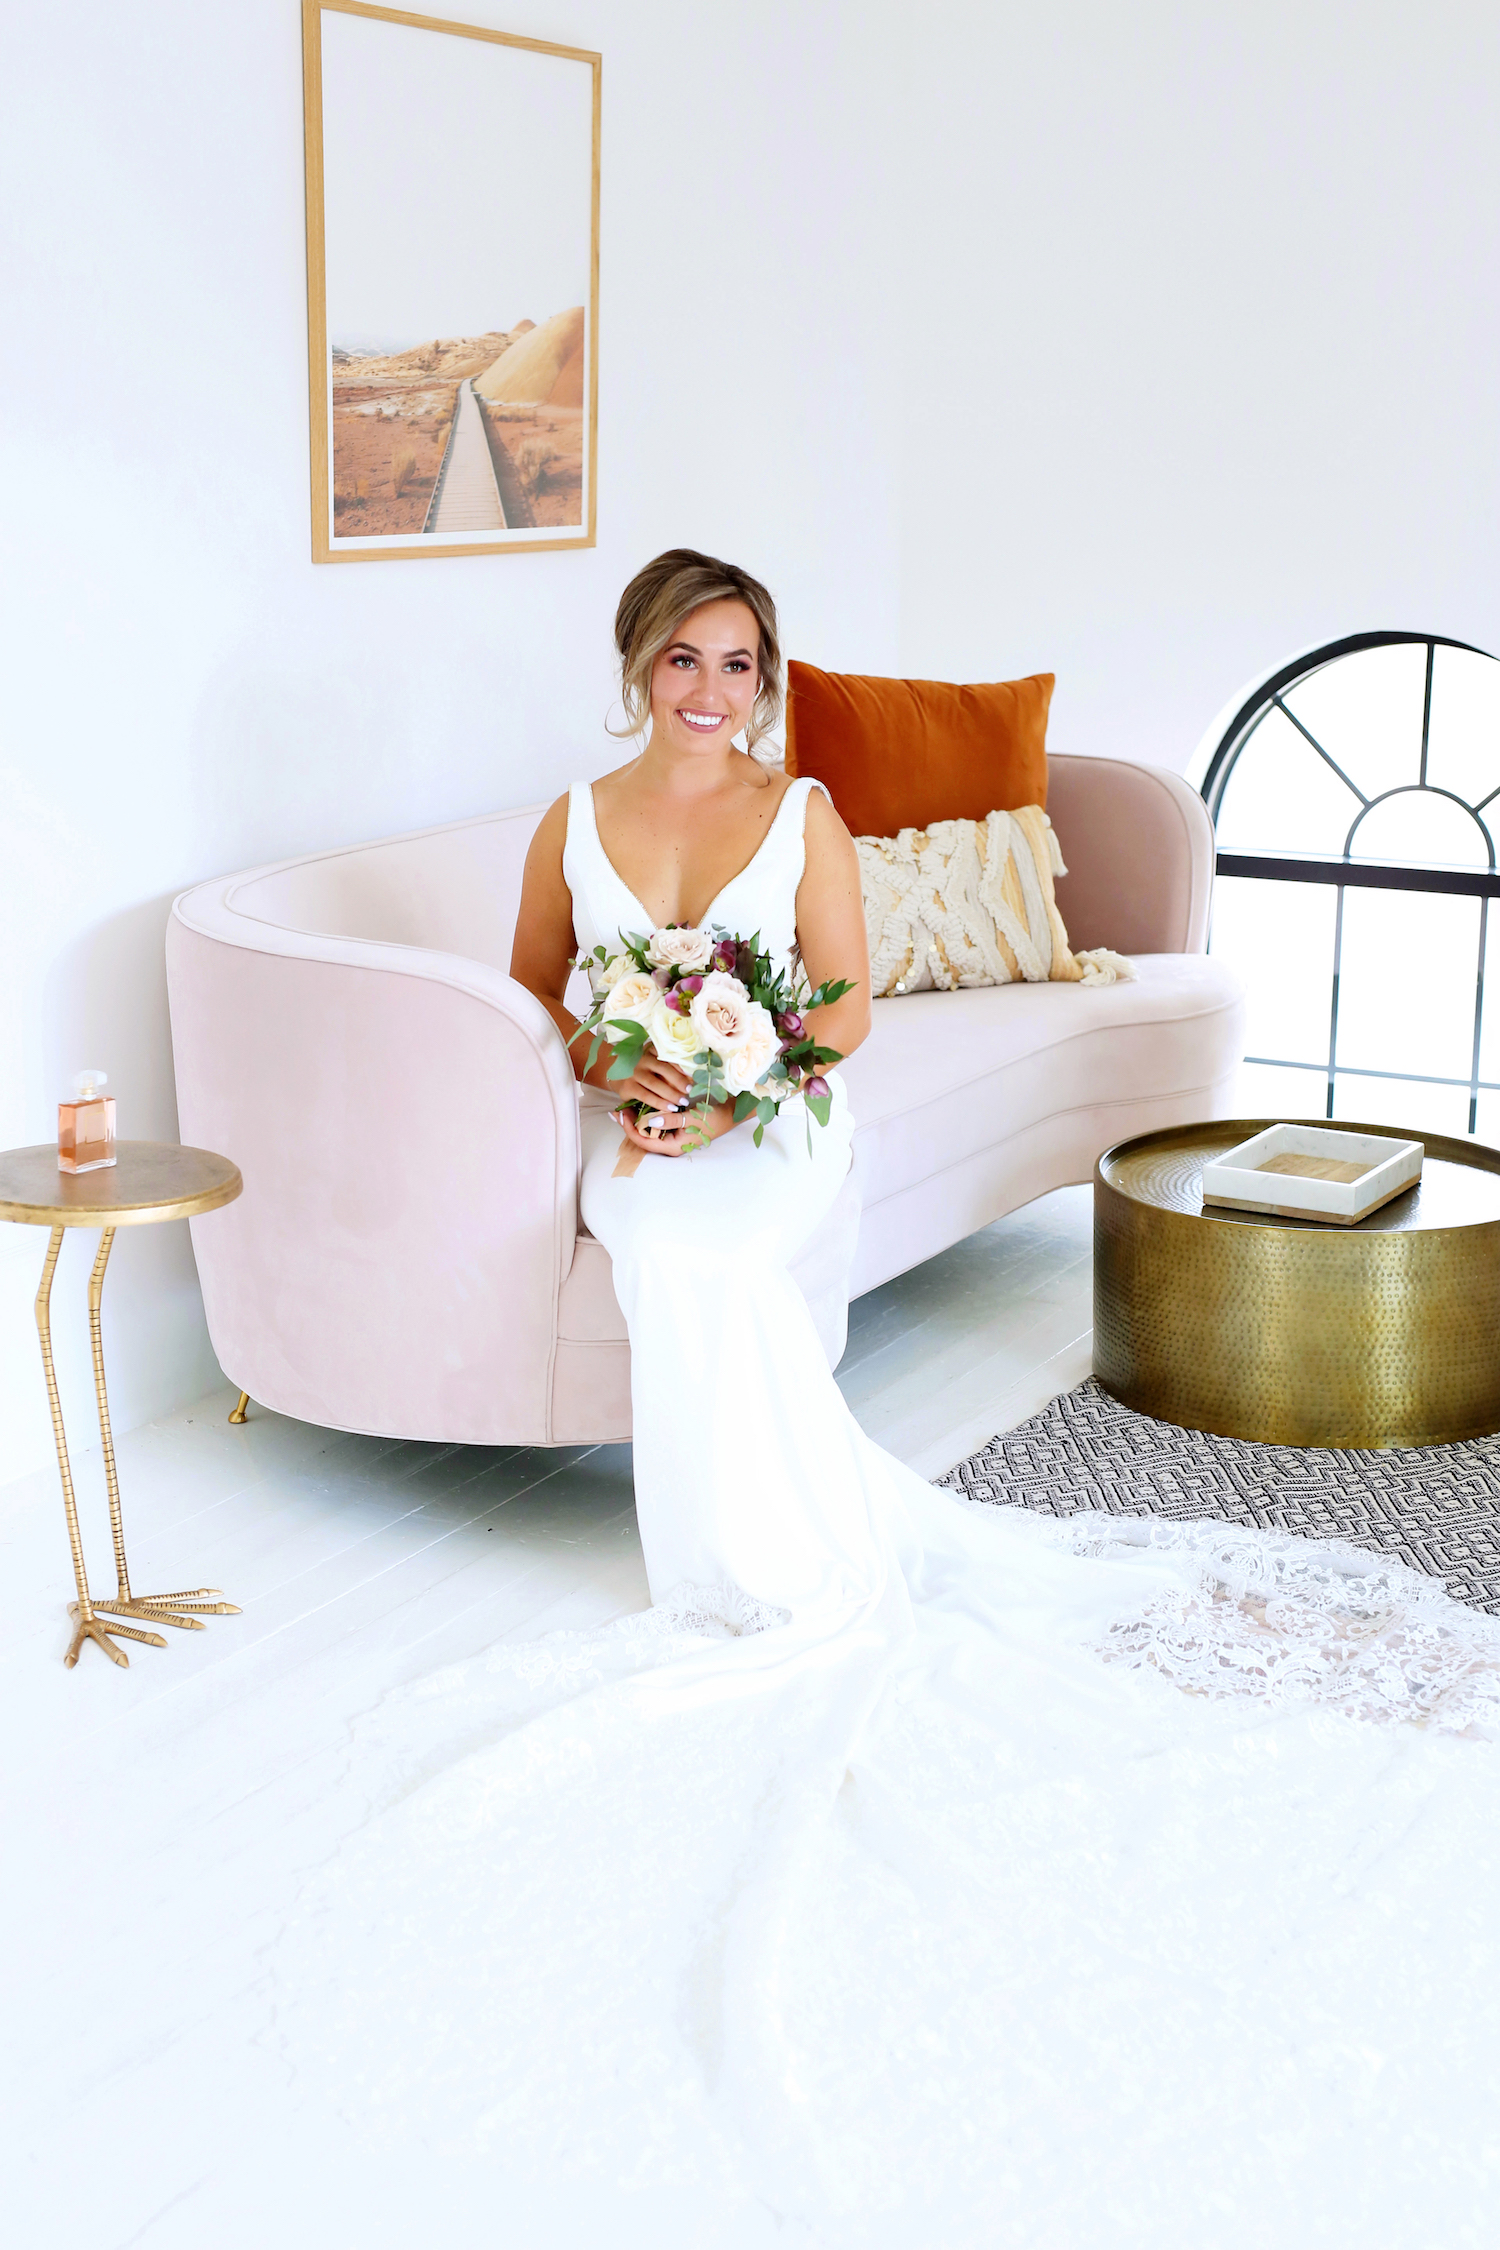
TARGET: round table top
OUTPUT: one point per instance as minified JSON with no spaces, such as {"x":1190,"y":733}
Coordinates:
{"x":149,"y":1180}
{"x":1459,"y":1187}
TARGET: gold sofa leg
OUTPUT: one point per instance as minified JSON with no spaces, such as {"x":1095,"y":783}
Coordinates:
{"x":239,"y":1413}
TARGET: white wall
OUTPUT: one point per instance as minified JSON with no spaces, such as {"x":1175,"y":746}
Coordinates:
{"x":1200,"y":360}
{"x":185,"y":693}
{"x":1142,"y":344}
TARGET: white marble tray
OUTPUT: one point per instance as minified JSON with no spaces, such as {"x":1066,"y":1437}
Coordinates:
{"x":1313,"y":1172}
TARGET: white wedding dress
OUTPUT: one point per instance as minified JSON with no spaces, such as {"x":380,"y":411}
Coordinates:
{"x":915,"y":1871}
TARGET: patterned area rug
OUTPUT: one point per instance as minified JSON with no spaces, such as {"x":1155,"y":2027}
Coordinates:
{"x":1436,"y":1507}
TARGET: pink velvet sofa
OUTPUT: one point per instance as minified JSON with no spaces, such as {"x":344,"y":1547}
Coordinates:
{"x":407,"y":1257}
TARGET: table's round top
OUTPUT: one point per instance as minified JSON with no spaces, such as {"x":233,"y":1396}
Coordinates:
{"x":1459,"y":1187}
{"x":149,"y":1180}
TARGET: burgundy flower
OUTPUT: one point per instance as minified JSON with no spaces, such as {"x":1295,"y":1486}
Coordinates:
{"x":689,"y":985}
{"x":663,"y":977}
{"x":790,"y":1025}
{"x":817,"y":1088}
{"x":724,"y":955}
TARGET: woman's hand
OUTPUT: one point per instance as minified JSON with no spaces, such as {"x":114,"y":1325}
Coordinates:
{"x":661,"y":1084}
{"x":679,"y":1136}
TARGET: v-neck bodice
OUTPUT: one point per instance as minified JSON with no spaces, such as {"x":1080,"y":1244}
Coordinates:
{"x":762,"y":896}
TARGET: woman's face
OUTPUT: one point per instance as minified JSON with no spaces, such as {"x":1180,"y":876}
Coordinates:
{"x":705,"y":681}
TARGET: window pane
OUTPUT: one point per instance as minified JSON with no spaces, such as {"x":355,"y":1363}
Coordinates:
{"x":1406,"y":983}
{"x":1387,"y":1101}
{"x":1280,"y":938}
{"x":1463,"y":741}
{"x":1488,"y":1126}
{"x":1489,"y":1043}
{"x":1282,"y":797}
{"x":1366,"y":710}
{"x":1285,"y":1096}
{"x":1421,"y":826}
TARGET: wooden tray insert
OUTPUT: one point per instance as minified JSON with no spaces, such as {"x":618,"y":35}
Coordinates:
{"x":1315,"y":1167}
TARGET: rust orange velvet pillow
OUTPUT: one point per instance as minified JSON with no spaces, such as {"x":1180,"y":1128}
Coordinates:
{"x":897,"y":754}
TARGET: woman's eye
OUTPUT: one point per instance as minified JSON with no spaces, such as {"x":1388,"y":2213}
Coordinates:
{"x":680,"y":661}
{"x":736,"y":664}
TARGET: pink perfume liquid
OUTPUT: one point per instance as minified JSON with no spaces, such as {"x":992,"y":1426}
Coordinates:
{"x":86,"y":1132}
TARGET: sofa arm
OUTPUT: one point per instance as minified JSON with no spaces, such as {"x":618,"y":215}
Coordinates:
{"x":1139,"y":847}
{"x":407,"y":1126}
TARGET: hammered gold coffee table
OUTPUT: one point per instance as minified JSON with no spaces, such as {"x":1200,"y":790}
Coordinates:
{"x":149,"y":1181}
{"x":1386,"y":1333}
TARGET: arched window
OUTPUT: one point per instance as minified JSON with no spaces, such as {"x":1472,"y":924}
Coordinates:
{"x":1356,"y":796}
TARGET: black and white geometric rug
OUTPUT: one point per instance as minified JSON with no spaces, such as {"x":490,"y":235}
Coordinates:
{"x":1435,"y":1507}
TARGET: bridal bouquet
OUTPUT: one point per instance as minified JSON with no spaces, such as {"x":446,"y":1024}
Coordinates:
{"x":715,"y":1005}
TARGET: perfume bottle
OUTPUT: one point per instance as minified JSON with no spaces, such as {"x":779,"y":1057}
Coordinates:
{"x":86,"y":1125}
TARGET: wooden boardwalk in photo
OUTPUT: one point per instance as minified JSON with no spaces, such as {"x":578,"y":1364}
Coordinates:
{"x":466,"y":496}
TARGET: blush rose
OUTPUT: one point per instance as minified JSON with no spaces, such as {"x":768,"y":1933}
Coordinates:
{"x":680,"y":949}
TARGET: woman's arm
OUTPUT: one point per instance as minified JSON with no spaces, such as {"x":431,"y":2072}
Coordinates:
{"x":831,"y":927}
{"x":544,"y":945}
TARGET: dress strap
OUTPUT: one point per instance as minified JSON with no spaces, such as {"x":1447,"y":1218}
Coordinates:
{"x":583,"y":829}
{"x":805,"y":784}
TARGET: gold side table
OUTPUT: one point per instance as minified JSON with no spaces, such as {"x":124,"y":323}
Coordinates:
{"x":1254,"y":1325}
{"x":149,"y":1181}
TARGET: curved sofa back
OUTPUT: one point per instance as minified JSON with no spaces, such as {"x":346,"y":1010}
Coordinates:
{"x":454,"y":889}
{"x":1137,"y":840}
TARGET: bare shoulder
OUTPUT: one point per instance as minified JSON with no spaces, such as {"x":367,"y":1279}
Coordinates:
{"x":824,"y":830}
{"x":769,"y":783}
{"x":610,"y":786}
{"x":544,"y":856}
{"x":552,"y":829}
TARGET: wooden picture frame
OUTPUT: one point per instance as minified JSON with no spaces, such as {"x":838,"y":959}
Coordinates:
{"x":420,"y":444}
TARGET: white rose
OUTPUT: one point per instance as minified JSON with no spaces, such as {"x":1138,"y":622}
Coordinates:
{"x":675,"y":1037}
{"x":634,"y":995}
{"x":680,"y":949}
{"x":776,"y":1089}
{"x":722,"y":1011}
{"x":757,"y":1053}
{"x":605,"y":975}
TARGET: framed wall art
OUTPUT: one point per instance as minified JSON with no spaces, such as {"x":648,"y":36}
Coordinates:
{"x":452,"y":286}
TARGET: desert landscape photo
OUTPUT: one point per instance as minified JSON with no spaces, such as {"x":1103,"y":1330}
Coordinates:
{"x":454,"y":266}
{"x":396,"y":415}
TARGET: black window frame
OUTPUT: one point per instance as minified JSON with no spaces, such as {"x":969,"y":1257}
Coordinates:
{"x":1343,"y":871}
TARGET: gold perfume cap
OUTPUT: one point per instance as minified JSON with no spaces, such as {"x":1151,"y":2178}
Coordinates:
{"x":88,"y":1082}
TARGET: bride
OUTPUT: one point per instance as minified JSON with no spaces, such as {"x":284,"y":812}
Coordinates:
{"x":915,"y":1871}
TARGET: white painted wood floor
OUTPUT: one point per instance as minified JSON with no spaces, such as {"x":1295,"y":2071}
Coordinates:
{"x":140,"y":1806}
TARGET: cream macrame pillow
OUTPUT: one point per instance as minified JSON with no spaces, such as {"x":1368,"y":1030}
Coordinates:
{"x":968,"y":902}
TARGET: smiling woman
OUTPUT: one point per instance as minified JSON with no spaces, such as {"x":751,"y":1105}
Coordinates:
{"x":675,"y":836}
{"x":653,"y":613}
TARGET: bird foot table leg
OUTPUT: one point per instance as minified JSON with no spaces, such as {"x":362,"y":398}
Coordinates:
{"x":187,"y":1610}
{"x":92,"y":1628}
{"x":102,"y":1621}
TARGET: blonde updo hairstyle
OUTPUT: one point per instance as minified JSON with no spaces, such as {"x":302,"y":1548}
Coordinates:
{"x":651,"y":611}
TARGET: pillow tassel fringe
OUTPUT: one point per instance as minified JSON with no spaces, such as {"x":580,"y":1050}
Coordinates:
{"x":1100,"y":966}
